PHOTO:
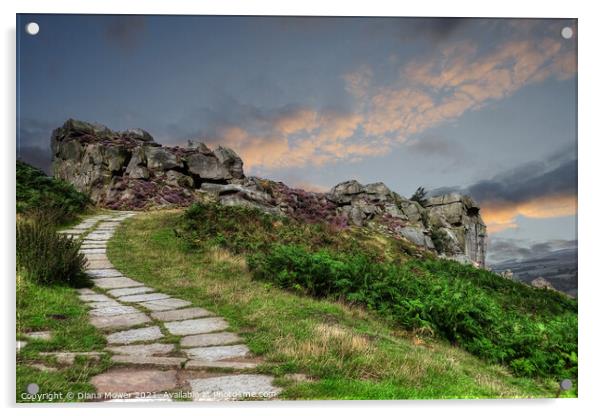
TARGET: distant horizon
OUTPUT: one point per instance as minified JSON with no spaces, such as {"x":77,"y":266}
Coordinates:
{"x":486,"y":107}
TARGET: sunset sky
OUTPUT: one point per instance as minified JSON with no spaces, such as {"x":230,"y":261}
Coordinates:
{"x":485,"y":106}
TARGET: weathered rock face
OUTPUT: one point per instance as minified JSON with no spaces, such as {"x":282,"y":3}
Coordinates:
{"x":449,"y":224}
{"x":456,"y":220}
{"x":129,"y":170}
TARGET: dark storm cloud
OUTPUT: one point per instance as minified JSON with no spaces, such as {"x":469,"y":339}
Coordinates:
{"x":556,"y":175}
{"x":125,"y":32}
{"x":528,"y":182}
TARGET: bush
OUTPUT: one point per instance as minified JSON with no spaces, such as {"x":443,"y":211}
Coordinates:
{"x":38,"y":192}
{"x":532,"y":331}
{"x":47,"y":257}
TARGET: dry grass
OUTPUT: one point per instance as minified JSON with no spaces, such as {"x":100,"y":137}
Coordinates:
{"x":348,"y":350}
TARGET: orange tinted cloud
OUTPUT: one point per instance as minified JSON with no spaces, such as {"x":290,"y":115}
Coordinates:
{"x":453,"y":79}
{"x":456,"y":79}
{"x":323,"y":137}
{"x":503,"y":216}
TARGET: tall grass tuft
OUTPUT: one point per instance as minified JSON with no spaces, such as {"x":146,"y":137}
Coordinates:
{"x":47,"y":257}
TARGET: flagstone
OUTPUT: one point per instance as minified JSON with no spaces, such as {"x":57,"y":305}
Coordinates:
{"x":130,"y":336}
{"x":196,"y":326}
{"x":149,"y":360}
{"x":99,"y":264}
{"x":165,"y":304}
{"x":206,"y":340}
{"x":143,"y":297}
{"x":119,"y":321}
{"x":130,"y":291}
{"x":142,"y":349}
{"x":95,"y":297}
{"x":231,"y":365}
{"x":104,"y":273}
{"x":134,"y":381}
{"x":181,"y":314}
{"x":113,"y":310}
{"x":217,"y":353}
{"x":116,"y":282}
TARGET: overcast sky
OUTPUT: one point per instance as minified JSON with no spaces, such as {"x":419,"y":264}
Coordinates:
{"x":487,"y":106}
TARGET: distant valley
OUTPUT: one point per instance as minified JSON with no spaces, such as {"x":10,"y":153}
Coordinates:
{"x":558,"y":267}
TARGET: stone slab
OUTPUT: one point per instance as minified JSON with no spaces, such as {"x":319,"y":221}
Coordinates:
{"x":113,"y":310}
{"x":85,"y":291}
{"x":94,"y":250}
{"x":116,"y":282}
{"x":208,"y":340}
{"x":99,"y":236}
{"x":119,"y":321}
{"x":103,"y":305}
{"x":149,"y":360}
{"x":237,"y":387}
{"x":181,"y":314}
{"x":134,"y":381}
{"x":130,"y":336}
{"x":96,"y":257}
{"x":104,"y":273}
{"x":222,"y":352}
{"x":130,"y":291}
{"x":95,"y":297}
{"x":143,"y":349}
{"x":143,"y":297}
{"x":99,"y":264}
{"x":226,"y":365}
{"x":43,"y":335}
{"x":68,"y":358}
{"x":165,"y":304}
{"x":196,"y":326}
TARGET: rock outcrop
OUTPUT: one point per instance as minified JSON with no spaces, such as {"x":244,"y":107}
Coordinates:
{"x":542,"y":283}
{"x":128,"y":170}
{"x":457,"y":222}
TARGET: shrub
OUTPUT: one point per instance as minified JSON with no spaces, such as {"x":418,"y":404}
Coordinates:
{"x":534,"y":337}
{"x":419,"y":196}
{"x":36,"y":191}
{"x":47,"y":257}
{"x":532,"y":331}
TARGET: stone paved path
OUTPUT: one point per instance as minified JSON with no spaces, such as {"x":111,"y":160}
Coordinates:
{"x":159,"y":343}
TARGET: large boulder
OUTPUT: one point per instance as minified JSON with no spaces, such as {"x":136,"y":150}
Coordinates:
{"x":161,"y":159}
{"x":230,"y":160}
{"x":208,"y":167}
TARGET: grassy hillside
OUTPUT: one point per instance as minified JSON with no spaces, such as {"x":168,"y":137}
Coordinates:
{"x":349,"y":348}
{"x":37,"y":192}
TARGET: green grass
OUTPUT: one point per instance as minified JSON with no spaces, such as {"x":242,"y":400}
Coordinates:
{"x":348,"y":351}
{"x":57,"y":309}
{"x":40,"y":194}
{"x":533,"y":331}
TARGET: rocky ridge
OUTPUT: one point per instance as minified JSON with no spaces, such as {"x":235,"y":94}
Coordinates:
{"x":129,"y":170}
